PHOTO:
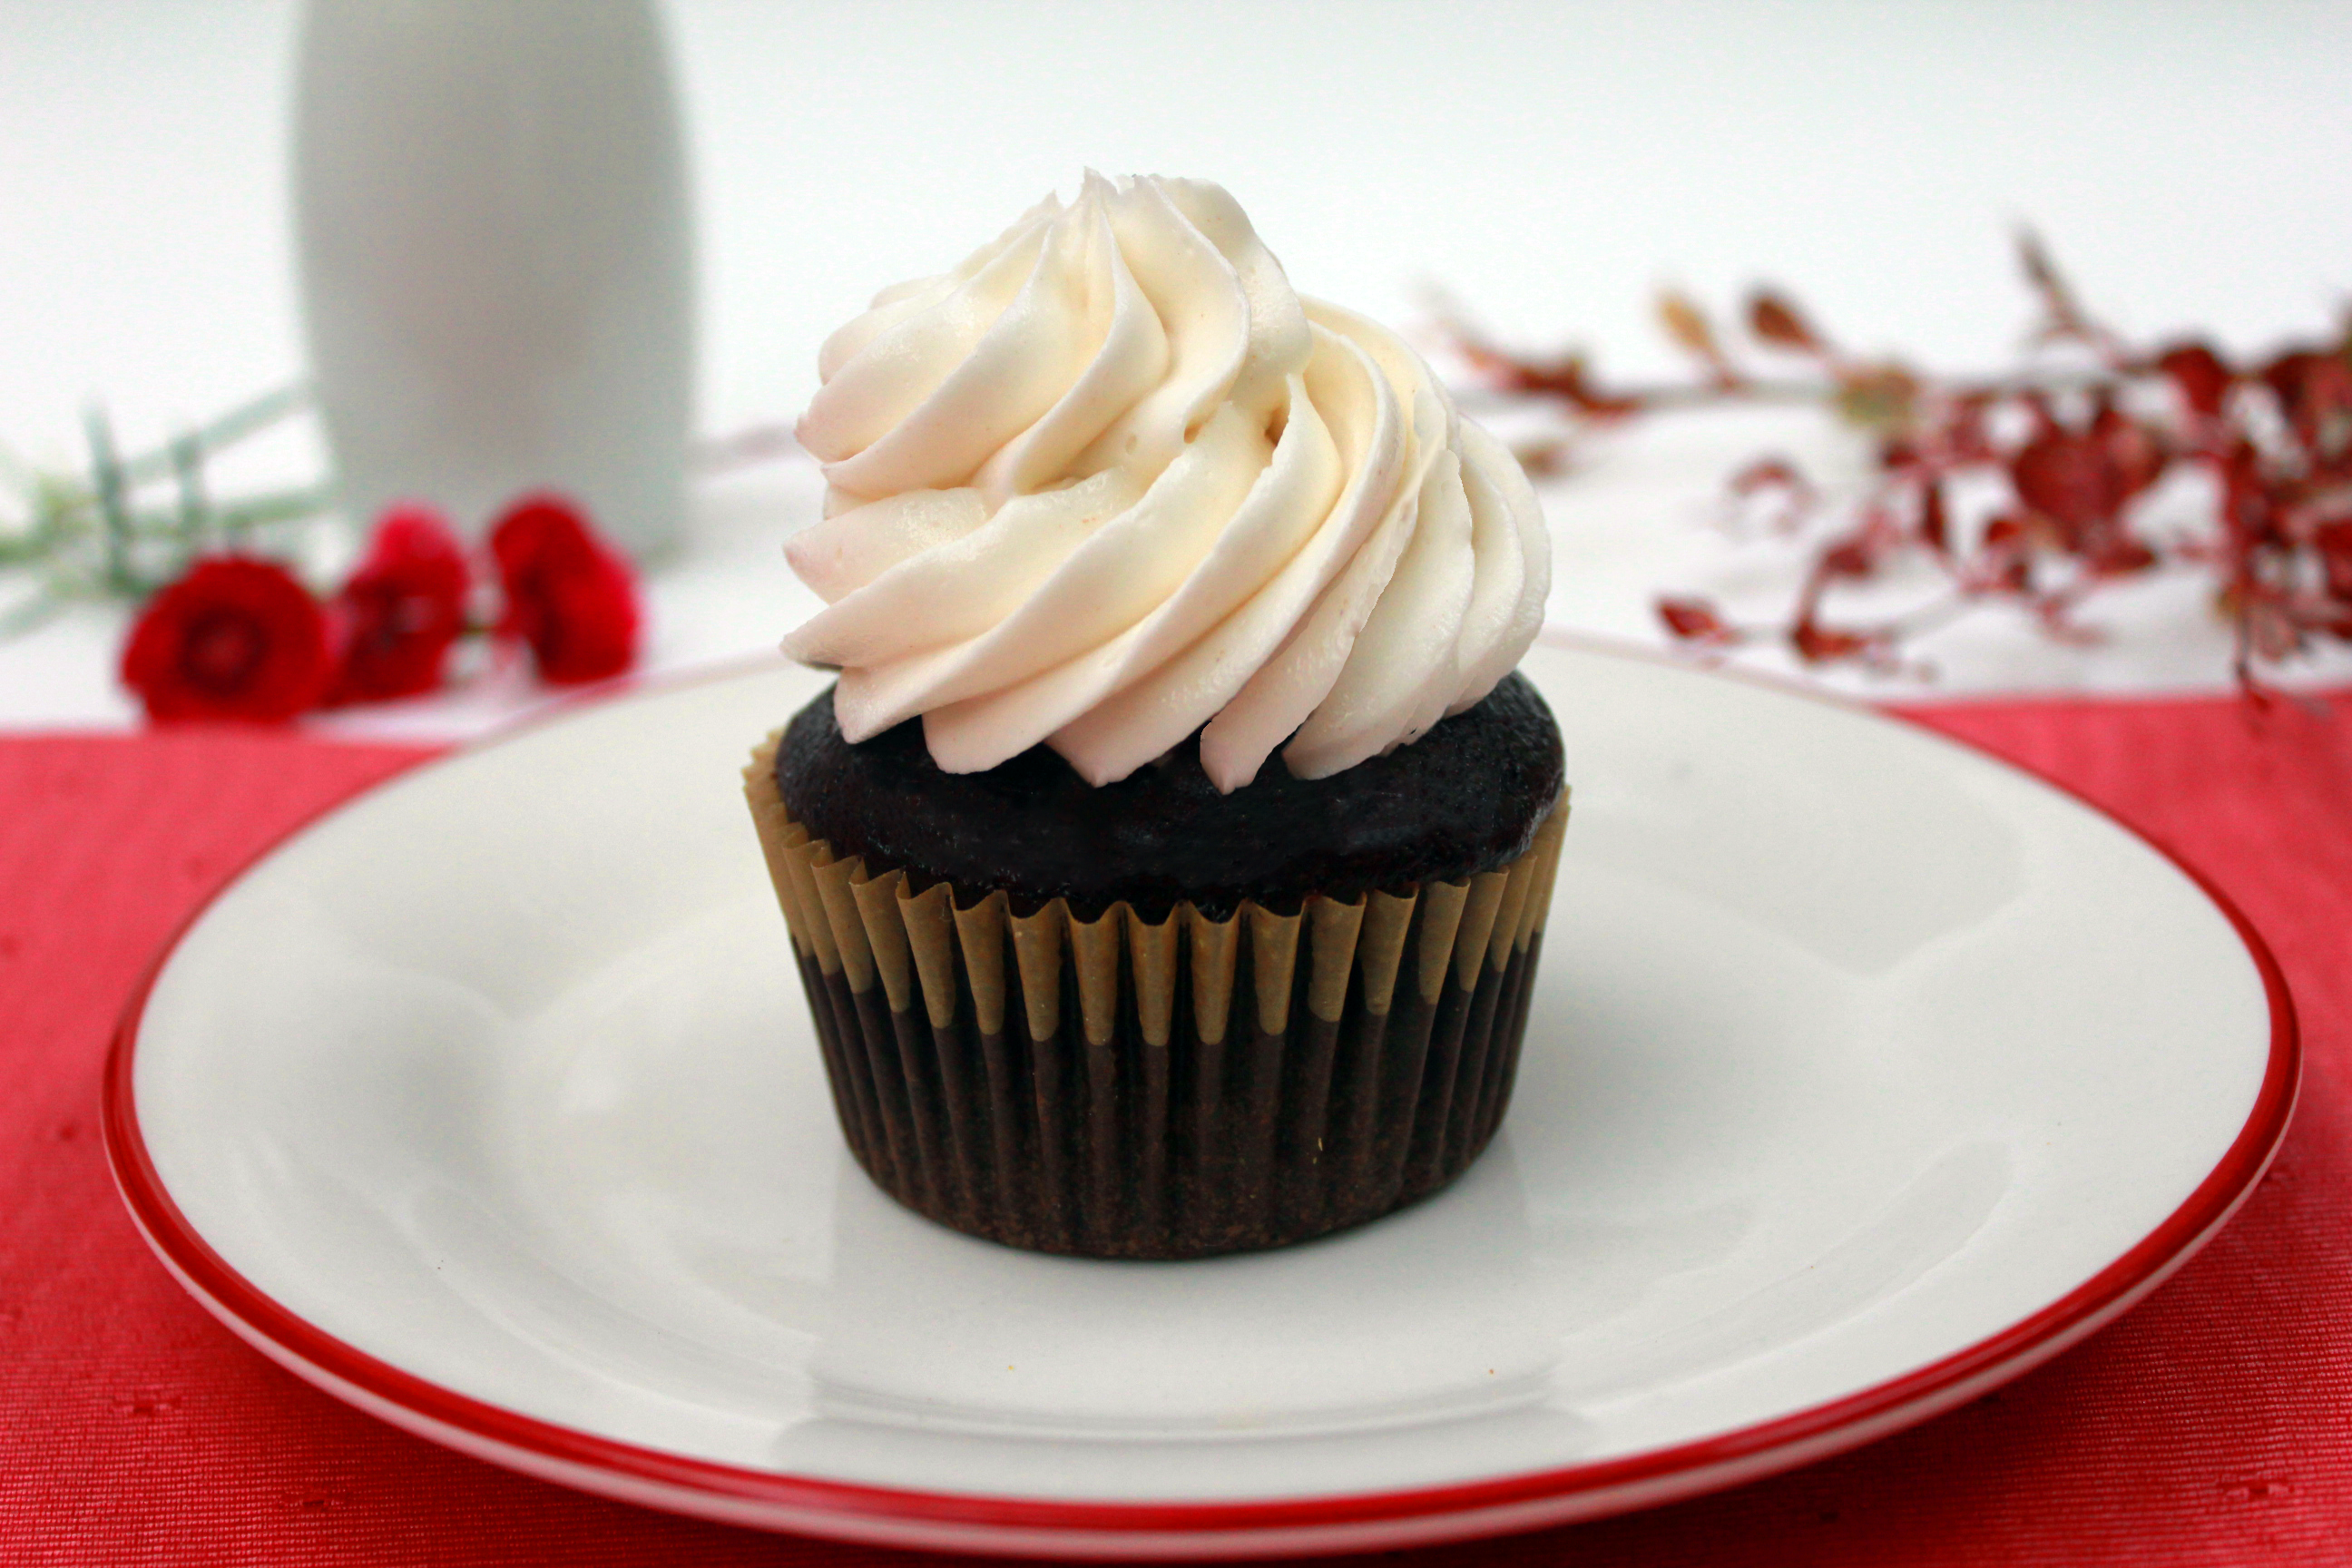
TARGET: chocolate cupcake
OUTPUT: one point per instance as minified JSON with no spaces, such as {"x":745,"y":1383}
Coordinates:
{"x":1113,"y":515}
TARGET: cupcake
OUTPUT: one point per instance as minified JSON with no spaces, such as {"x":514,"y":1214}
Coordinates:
{"x":1168,"y":867}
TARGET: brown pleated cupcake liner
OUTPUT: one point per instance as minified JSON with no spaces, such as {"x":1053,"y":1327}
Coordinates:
{"x":1118,"y":1088}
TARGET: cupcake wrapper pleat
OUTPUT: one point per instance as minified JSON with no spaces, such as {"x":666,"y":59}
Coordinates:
{"x":1116,"y":1087}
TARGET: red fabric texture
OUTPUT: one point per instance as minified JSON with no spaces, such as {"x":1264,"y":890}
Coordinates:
{"x":2213,"y":1425}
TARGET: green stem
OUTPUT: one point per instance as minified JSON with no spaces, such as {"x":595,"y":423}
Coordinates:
{"x":107,"y":481}
{"x":281,"y":507}
{"x":188,"y":466}
{"x":23,"y":617}
{"x":68,"y":512}
{"x":247,"y":419}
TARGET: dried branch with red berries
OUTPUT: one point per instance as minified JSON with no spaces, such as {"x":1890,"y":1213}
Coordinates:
{"x":2074,"y":440}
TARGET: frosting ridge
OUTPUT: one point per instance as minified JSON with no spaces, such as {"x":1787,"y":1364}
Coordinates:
{"x":1111,"y":481}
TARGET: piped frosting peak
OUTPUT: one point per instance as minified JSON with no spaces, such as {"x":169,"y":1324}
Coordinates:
{"x":1110,"y":481}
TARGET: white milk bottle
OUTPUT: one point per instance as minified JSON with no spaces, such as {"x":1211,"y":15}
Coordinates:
{"x":491,"y":212}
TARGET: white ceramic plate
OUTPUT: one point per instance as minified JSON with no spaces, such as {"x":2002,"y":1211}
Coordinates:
{"x":1864,"y":1073}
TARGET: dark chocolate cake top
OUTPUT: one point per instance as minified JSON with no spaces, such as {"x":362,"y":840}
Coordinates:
{"x":1466,"y":797}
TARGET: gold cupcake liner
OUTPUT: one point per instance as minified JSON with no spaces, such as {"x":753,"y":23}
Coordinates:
{"x":1116,"y":1087}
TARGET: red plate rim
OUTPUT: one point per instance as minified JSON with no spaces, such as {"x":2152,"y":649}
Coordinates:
{"x":715,"y":1489}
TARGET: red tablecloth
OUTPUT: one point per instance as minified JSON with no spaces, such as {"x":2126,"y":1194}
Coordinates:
{"x":2213,"y":1425}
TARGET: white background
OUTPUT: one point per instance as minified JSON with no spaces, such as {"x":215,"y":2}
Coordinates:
{"x":1551,"y":165}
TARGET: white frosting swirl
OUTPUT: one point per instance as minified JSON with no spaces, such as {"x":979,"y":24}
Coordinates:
{"x":1110,"y":480}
